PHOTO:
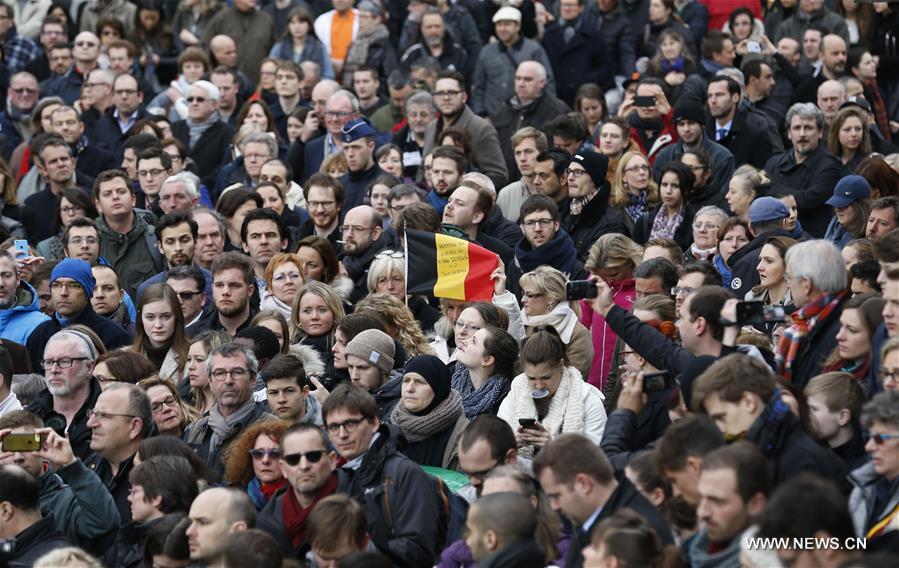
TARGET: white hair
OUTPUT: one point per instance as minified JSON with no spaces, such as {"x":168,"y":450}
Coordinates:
{"x":190,"y":181}
{"x":481,"y":180}
{"x":210,"y":89}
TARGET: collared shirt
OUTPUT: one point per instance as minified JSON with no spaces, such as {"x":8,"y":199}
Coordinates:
{"x":356,"y":462}
{"x":9,"y":404}
{"x":722,"y":130}
{"x":590,"y":520}
{"x":125,"y":126}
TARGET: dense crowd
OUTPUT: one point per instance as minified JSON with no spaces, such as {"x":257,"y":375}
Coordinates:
{"x":690,"y":352}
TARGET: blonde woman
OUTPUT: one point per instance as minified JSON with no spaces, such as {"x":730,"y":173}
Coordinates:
{"x":613,"y":258}
{"x":543,"y":303}
{"x":743,"y":189}
{"x":633,"y":190}
{"x":398,"y":322}
{"x":316,"y":310}
{"x":387,"y":275}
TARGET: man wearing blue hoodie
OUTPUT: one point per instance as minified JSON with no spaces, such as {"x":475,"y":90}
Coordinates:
{"x":20,"y":310}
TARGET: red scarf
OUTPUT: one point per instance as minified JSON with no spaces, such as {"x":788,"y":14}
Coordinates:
{"x":294,"y":515}
{"x":269,"y":489}
{"x":788,"y":348}
{"x":880,"y":110}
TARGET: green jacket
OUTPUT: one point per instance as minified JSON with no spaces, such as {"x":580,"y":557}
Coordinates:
{"x":133,"y":256}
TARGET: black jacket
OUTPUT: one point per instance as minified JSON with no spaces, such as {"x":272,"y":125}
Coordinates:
{"x":400,"y":501}
{"x":747,"y":140}
{"x":812,"y":183}
{"x":78,"y":433}
{"x":500,"y":228}
{"x":357,"y":268}
{"x":118,"y":485}
{"x":744,"y":263}
{"x":512,"y":116}
{"x":816,"y":346}
{"x":354,"y":186}
{"x":388,"y":396}
{"x":199,"y":437}
{"x":209,"y":150}
{"x":625,"y":496}
{"x":683,"y":235}
{"x":210,"y":320}
{"x":596,"y":219}
{"x":111,"y":334}
{"x":108,"y":135}
{"x":453,"y":58}
{"x":527,"y":554}
{"x":581,"y":60}
{"x":34,"y":542}
{"x":128,"y":550}
{"x":615,"y":31}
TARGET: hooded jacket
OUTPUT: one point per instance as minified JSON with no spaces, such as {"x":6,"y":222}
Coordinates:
{"x":18,"y":322}
{"x":401,"y":501}
{"x":862,"y":500}
{"x":133,"y":256}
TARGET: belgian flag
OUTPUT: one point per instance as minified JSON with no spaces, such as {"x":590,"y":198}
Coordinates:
{"x":448,"y":267}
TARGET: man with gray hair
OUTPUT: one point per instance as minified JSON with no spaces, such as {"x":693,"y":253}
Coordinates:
{"x":831,"y":94}
{"x":120,"y":419}
{"x":256,"y":149}
{"x":816,"y":275}
{"x":807,"y":170}
{"x":179,"y":192}
{"x":232,"y":372}
{"x":203,"y":131}
{"x":419,"y":111}
{"x":342,"y":107}
{"x":71,"y":392}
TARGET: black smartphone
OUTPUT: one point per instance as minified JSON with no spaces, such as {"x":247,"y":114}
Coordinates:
{"x":22,"y":442}
{"x":527,"y":423}
{"x":645,"y":101}
{"x":580,"y":290}
{"x":655,"y":382}
{"x":755,"y":313}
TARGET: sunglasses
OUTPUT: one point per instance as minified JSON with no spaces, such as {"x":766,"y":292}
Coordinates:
{"x":260,"y":453}
{"x":879,"y":439}
{"x":311,"y":457}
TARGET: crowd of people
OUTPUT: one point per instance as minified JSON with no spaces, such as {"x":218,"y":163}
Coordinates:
{"x":209,"y":355}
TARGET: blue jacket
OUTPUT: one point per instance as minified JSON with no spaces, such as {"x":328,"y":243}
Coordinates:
{"x":17,"y":323}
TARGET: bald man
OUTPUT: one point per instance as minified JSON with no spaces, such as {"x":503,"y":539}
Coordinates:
{"x":362,"y":239}
{"x":831,"y":94}
{"x":215,"y":514}
{"x":833,"y":66}
{"x":85,"y":54}
{"x":501,"y":530}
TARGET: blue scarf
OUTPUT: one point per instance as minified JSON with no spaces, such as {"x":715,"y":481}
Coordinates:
{"x":676,"y":65}
{"x":723,"y":269}
{"x":437,"y":202}
{"x":636,"y":204}
{"x":482,"y":400}
{"x":558,"y":253}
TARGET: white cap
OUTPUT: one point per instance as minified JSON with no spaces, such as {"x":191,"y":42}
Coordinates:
{"x":507,"y":13}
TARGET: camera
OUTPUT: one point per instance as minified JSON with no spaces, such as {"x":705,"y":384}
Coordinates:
{"x":755,"y":313}
{"x":656,"y":382}
{"x":580,"y":290}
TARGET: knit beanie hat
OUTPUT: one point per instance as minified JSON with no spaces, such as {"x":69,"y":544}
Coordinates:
{"x":435,"y":372}
{"x":374,"y":346}
{"x":689,"y":110}
{"x":78,"y":270}
{"x":596,"y":164}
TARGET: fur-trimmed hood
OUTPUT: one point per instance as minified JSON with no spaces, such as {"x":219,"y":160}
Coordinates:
{"x":343,"y":286}
{"x":311,"y":359}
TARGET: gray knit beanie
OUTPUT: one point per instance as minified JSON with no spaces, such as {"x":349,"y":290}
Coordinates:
{"x":374,"y":346}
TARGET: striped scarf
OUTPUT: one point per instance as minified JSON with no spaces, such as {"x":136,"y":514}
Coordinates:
{"x":803,"y":321}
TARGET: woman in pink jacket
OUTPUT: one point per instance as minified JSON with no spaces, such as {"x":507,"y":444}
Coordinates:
{"x":613,"y":258}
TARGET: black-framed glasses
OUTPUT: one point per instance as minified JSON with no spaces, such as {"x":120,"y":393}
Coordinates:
{"x":891,"y":374}
{"x":314,"y":456}
{"x":262,"y":453}
{"x":537,"y":223}
{"x":63,"y":362}
{"x":574,"y":173}
{"x":237,"y":373}
{"x":479,"y":475}
{"x":879,"y":439}
{"x":354,"y":228}
{"x":73,"y":286}
{"x":170,"y":402}
{"x":348,"y":425}
{"x":188,"y":295}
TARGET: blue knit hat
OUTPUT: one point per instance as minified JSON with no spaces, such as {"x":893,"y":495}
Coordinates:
{"x":78,"y":270}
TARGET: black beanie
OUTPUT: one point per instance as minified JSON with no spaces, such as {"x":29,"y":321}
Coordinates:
{"x":689,"y":110}
{"x":597,"y":165}
{"x":436,"y":373}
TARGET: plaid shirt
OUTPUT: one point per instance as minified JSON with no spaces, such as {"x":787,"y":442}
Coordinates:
{"x":19,"y":51}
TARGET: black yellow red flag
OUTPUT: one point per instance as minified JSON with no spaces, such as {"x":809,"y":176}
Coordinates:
{"x":448,"y":267}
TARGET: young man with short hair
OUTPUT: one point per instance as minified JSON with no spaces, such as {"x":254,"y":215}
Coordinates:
{"x":835,"y":404}
{"x":263,"y":236}
{"x":525,"y":145}
{"x":545,"y":242}
{"x":287,"y":391}
{"x":369,"y":358}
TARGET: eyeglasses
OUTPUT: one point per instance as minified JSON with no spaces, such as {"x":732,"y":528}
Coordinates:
{"x":684,"y":290}
{"x":390,"y":254}
{"x":74,"y":286}
{"x":285,"y":276}
{"x":460,"y":325}
{"x":100,"y":415}
{"x":879,"y":439}
{"x":707,"y":226}
{"x":187,"y":295}
{"x":237,"y":373}
{"x":348,"y":425}
{"x":626,"y":353}
{"x":640,"y":168}
{"x":337,"y":114}
{"x":63,"y":362}
{"x":479,"y":475}
{"x":152,"y":173}
{"x":78,"y":241}
{"x":538,"y":223}
{"x":25,"y":91}
{"x":575,"y":173}
{"x":169,"y":402}
{"x":196,"y":99}
{"x":447,"y":94}
{"x":261,"y":453}
{"x":892,"y":375}
{"x":69,"y":209}
{"x":321,"y":204}
{"x":314,"y":456}
{"x":105,"y":379}
{"x":354,"y":228}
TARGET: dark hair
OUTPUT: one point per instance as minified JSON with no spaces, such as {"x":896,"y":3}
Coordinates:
{"x":886,"y":248}
{"x":252,"y":547}
{"x":128,"y":366}
{"x":79,"y":198}
{"x":265,"y":342}
{"x":880,"y":175}
{"x":110,"y":175}
{"x":186,"y":272}
{"x":504,"y":348}
{"x":419,"y":216}
{"x":165,"y":531}
{"x":685,"y":177}
{"x":660,"y":268}
{"x":19,"y":488}
{"x":539,"y":202}
{"x":231,"y":201}
{"x":352,"y":399}
{"x":648,"y":476}
{"x":566,"y":126}
{"x":285,"y":366}
{"x":174,"y":219}
{"x":455,"y":75}
{"x":693,"y":436}
{"x":263,"y":215}
{"x":730,"y":377}
{"x":630,"y":539}
{"x":560,"y":158}
{"x":352,"y":325}
{"x":139,"y":141}
{"x":749,"y":464}
{"x":155,"y":152}
{"x":491,"y":314}
{"x":326,"y":181}
{"x":326,"y":251}
{"x":712,"y":43}
{"x":334,"y":520}
{"x":461,"y":140}
{"x":711,"y":277}
{"x":271,"y":126}
{"x":454,"y":154}
{"x":493,"y":430}
{"x":867,"y":271}
{"x":170,"y":477}
{"x":590,"y":91}
{"x":543,"y":346}
{"x":80,"y":222}
{"x":174,"y":446}
{"x":571,"y":454}
{"x":234,"y":259}
{"x":805,"y":506}
{"x":753,"y":68}
{"x":888,"y":202}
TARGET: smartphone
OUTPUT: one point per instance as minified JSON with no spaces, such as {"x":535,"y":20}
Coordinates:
{"x":755,"y":313}
{"x":527,"y":423}
{"x":21,"y":248}
{"x":22,"y":442}
{"x":656,"y":382}
{"x":580,"y":290}
{"x":646,"y":101}
{"x":753,"y":46}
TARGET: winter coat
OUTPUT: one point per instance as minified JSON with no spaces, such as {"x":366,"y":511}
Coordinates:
{"x":751,"y":139}
{"x":18,"y":322}
{"x":78,"y":433}
{"x":34,"y":542}
{"x":527,"y":554}
{"x":581,"y":60}
{"x":313,"y":50}
{"x":596,"y":219}
{"x":82,"y":508}
{"x":744,"y":263}
{"x":648,"y":38}
{"x":134,"y":256}
{"x":500,"y":228}
{"x":254,"y":29}
{"x":796,"y":25}
{"x":559,"y":253}
{"x":400,"y":500}
{"x":817,"y":346}
{"x":700,"y":557}
{"x":513,"y":116}
{"x":488,"y":158}
{"x":722,"y":168}
{"x":862,"y":500}
{"x":615,"y":31}
{"x":458,"y":21}
{"x":108,"y":133}
{"x":453,"y":58}
{"x":388,"y":395}
{"x":579,"y":347}
{"x":604,"y":338}
{"x":683,"y":234}
{"x":199,"y":437}
{"x":128,"y":550}
{"x":111,"y":334}
{"x":494,"y":74}
{"x":208,"y":151}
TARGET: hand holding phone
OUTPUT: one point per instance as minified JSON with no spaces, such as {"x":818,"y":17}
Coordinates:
{"x":527,"y":423}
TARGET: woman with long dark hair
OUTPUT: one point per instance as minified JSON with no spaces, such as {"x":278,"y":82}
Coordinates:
{"x":159,"y":332}
{"x":672,"y":218}
{"x":861,"y":317}
{"x":484,"y":370}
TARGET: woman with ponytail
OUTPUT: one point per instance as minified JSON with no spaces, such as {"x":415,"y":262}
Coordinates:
{"x":485,"y":366}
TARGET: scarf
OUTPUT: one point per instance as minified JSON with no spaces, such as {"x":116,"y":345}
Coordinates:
{"x":702,"y":254}
{"x":270,"y":302}
{"x":880,"y":109}
{"x":260,"y":492}
{"x":578,"y":203}
{"x":357,"y":54}
{"x":222,"y":427}
{"x":197,"y":129}
{"x":294,"y":515}
{"x":677,"y":65}
{"x":562,"y":318}
{"x":859,"y":369}
{"x":566,"y":408}
{"x":569,"y":29}
{"x":804,"y":321}
{"x":723,"y":269}
{"x":644,"y":124}
{"x":417,"y":428}
{"x":767,"y":431}
{"x":636,"y":206}
{"x":437,"y":202}
{"x":482,"y":400}
{"x":664,"y":226}
{"x":558,"y":253}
